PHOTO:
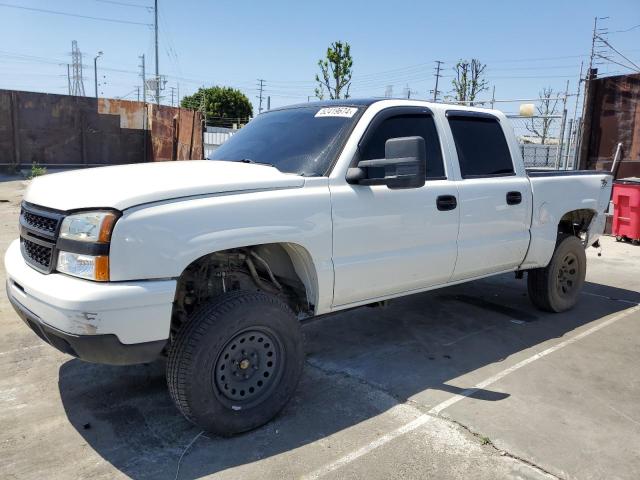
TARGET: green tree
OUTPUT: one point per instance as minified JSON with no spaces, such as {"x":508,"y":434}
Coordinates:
{"x":469,"y":80}
{"x":221,"y":106}
{"x":336,"y":71}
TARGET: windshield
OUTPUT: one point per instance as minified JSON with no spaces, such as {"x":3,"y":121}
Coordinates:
{"x":301,"y":140}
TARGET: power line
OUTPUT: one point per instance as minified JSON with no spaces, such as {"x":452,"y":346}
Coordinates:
{"x":626,"y":29}
{"x":613,"y":61}
{"x":617,"y":51}
{"x":56,"y":12}
{"x":124,"y":4}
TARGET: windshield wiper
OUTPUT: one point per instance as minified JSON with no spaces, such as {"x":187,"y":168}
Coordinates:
{"x":248,"y":160}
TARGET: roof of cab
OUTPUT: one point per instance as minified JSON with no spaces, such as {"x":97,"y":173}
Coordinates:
{"x":365,"y":102}
{"x":345,"y":102}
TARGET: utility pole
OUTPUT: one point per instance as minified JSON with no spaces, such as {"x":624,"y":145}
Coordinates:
{"x":69,"y":78}
{"x":261,"y":88}
{"x":138,"y":88}
{"x":95,"y":71}
{"x":435,"y":90}
{"x":269,"y":103}
{"x":493,"y":97}
{"x":562,"y":127}
{"x":144,"y":79}
{"x":202,"y":108}
{"x":585,"y":123}
{"x":144,"y":108}
{"x":155,"y":26}
{"x":172,"y":90}
{"x":408,"y":91}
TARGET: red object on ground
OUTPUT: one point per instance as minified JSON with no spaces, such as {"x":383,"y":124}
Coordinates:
{"x":626,"y":209}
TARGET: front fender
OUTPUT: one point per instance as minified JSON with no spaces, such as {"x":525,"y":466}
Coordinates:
{"x":161,"y":240}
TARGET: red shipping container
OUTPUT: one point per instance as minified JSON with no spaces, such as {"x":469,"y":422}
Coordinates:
{"x":626,"y":209}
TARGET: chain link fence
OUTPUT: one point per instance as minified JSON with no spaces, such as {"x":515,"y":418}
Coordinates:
{"x":538,"y":139}
{"x":545,"y":141}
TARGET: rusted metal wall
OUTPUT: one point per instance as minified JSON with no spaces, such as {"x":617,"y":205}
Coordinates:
{"x":612,"y":116}
{"x":176,"y":133}
{"x":66,"y":131}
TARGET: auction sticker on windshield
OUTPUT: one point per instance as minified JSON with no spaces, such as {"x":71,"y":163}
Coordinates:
{"x":347,"y":112}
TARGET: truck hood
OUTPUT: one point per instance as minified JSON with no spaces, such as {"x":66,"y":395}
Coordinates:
{"x":125,"y":186}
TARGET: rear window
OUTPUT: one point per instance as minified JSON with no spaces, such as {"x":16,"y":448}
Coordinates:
{"x":481,"y":146}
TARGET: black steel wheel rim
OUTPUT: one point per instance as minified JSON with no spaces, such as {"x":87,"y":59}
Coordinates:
{"x":568,"y":271}
{"x":248,"y":367}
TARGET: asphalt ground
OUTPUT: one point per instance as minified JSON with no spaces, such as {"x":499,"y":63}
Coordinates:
{"x":469,"y":381}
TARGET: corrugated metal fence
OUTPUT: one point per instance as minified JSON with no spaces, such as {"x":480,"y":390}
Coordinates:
{"x":214,"y":137}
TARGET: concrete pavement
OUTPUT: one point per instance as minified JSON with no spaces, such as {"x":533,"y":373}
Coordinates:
{"x":466,"y":382}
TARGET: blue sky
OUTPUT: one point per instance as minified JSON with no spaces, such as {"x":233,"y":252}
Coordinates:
{"x":526,"y":45}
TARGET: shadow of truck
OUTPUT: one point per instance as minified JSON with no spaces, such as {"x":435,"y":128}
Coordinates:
{"x":360,"y":364}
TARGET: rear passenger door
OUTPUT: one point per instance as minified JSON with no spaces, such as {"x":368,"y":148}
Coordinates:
{"x":389,"y":241}
{"x":494,"y":200}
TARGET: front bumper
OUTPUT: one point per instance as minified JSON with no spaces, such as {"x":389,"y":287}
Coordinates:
{"x":113,"y":322}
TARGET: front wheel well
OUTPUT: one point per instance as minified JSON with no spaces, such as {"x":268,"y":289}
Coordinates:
{"x":281,"y":269}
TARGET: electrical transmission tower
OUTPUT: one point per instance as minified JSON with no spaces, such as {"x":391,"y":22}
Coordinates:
{"x":77,"y":85}
{"x":435,"y":90}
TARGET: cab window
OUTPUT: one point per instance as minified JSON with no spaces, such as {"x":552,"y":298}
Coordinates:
{"x":420,"y":125}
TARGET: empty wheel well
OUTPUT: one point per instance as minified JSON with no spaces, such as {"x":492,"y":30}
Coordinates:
{"x":575,"y":222}
{"x":284,"y":270}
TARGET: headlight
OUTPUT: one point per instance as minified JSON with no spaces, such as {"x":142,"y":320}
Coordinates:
{"x":88,"y":227}
{"x":83,"y":245}
{"x":84,"y":266}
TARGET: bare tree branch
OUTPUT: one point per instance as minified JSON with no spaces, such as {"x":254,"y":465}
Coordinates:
{"x":547,"y":108}
{"x":469,"y":80}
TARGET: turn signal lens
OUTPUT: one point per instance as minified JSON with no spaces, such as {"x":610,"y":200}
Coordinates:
{"x":84,"y":266}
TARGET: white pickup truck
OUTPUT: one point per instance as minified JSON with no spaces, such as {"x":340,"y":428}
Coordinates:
{"x":307,"y":210}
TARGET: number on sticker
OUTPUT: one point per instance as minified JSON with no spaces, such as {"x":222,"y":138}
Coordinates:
{"x":347,"y":112}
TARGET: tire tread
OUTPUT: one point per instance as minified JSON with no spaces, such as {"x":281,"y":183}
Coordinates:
{"x":179,"y":365}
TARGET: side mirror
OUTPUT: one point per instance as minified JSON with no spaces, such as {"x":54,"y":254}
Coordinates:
{"x":404,"y":165}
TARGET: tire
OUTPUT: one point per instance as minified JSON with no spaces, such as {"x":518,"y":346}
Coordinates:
{"x":556,"y":287}
{"x":236,"y":362}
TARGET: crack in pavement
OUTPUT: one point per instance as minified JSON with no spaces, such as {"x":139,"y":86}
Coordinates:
{"x":422,"y":410}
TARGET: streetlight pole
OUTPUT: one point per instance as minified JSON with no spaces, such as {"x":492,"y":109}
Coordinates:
{"x":95,"y":71}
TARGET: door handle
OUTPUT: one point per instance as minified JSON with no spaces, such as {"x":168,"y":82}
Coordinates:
{"x":514,"y":198}
{"x":446,"y":202}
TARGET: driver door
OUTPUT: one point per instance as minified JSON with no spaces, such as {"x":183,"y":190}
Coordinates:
{"x":390,"y":241}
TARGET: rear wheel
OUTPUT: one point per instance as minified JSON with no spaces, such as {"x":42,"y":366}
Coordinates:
{"x":556,"y":287}
{"x":236,"y":363}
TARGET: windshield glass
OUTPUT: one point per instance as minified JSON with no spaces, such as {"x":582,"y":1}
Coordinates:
{"x":302,"y":140}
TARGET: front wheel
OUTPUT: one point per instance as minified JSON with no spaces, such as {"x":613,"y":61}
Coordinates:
{"x":236,"y":363}
{"x":556,"y":287}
